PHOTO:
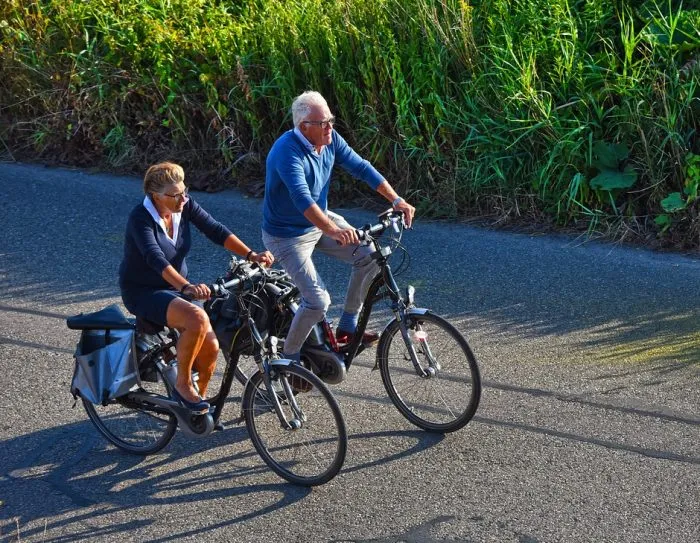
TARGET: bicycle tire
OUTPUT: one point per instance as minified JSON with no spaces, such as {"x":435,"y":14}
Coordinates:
{"x":319,"y":454}
{"x":445,"y":402}
{"x":133,"y":427}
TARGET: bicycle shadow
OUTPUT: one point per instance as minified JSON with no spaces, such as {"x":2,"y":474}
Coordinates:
{"x":95,"y":480}
{"x":77,"y":464}
{"x":423,"y":441}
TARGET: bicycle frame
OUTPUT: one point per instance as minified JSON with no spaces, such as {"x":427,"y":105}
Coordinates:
{"x":268,"y":369}
{"x":400,"y":307}
{"x":202,"y":425}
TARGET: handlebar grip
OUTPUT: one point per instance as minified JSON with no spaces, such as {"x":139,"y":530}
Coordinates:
{"x":371,"y":229}
{"x":219,"y":289}
{"x":273,"y":289}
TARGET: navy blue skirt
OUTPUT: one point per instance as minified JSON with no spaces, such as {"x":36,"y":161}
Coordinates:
{"x":149,"y":303}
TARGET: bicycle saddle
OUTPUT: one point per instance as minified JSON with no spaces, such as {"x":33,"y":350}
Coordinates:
{"x":109,"y":318}
{"x":144,"y":326}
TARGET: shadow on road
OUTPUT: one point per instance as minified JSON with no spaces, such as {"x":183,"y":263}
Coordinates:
{"x":608,"y":444}
{"x":88,"y":473}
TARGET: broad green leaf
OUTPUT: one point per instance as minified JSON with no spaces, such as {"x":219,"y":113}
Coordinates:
{"x":684,"y":32}
{"x":614,"y":179}
{"x":664,"y":221}
{"x":673,"y":202}
{"x":609,"y":155}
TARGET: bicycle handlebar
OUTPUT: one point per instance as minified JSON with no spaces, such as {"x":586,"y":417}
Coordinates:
{"x":220,"y":289}
{"x":388,"y":219}
{"x":391,"y":218}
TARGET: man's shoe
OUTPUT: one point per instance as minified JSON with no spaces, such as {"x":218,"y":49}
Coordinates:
{"x":368,"y":338}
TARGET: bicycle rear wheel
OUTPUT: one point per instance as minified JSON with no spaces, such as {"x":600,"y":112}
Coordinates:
{"x":446,"y":399}
{"x":311,"y":454}
{"x":134,"y":427}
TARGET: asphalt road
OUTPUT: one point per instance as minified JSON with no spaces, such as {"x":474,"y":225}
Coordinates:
{"x":588,"y":429}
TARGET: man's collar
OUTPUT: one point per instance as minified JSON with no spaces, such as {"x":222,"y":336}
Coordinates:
{"x":306,"y":143}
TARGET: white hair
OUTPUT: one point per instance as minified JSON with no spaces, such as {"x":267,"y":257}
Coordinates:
{"x":302,"y":104}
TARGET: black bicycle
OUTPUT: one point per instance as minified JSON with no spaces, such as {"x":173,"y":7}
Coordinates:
{"x":292,"y":418}
{"x":426,"y":364}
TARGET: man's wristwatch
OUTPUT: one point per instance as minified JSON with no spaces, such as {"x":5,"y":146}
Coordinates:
{"x":397,"y":201}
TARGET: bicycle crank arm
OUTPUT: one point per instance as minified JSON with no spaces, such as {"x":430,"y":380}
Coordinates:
{"x":192,"y":424}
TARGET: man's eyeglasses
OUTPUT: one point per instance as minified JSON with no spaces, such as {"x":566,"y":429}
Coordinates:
{"x":323,"y":124}
{"x":179,"y":196}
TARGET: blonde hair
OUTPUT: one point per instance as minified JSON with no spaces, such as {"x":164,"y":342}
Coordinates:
{"x":162,"y":175}
{"x":302,"y":104}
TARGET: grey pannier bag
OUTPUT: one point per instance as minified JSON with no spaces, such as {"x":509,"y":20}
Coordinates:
{"x":105,"y":358}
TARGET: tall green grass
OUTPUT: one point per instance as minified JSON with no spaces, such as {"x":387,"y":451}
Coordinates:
{"x":573,"y":112}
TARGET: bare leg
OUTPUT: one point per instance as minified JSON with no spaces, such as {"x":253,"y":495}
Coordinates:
{"x":206,"y":361}
{"x":193,"y":324}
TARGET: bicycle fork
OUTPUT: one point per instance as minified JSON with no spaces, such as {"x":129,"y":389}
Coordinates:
{"x":270,"y":376}
{"x":270,"y":370}
{"x":433,"y":367}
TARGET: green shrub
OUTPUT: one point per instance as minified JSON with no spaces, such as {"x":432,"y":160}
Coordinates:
{"x":579,"y":112}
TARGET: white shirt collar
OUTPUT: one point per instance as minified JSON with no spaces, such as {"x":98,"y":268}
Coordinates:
{"x":310,"y":146}
{"x":148,"y":204}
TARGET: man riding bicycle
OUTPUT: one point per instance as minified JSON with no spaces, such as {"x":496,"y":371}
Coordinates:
{"x":296,"y":219}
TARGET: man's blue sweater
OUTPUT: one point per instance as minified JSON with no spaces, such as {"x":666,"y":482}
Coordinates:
{"x":297,"y":178}
{"x":147,"y":251}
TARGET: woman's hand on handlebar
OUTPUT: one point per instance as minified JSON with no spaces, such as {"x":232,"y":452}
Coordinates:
{"x":197,"y":292}
{"x":264,"y":259}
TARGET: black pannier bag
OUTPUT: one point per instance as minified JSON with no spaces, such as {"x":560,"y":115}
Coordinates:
{"x":225,"y":317}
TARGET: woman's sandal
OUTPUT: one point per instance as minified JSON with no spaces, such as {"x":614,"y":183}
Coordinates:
{"x":200,"y":407}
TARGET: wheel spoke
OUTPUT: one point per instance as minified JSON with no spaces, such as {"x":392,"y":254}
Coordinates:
{"x":131,"y":426}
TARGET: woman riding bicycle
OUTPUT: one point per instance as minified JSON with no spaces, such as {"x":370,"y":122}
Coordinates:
{"x":153,"y":273}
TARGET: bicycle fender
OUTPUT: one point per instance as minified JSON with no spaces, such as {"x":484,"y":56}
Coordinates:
{"x":281,"y":362}
{"x":410,"y":311}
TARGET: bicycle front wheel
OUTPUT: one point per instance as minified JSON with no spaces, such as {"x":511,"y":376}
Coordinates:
{"x":134,"y":427}
{"x":442,"y":393}
{"x":310,"y":449}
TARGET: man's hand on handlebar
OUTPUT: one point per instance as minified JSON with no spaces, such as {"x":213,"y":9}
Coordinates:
{"x":264,"y":259}
{"x":344,"y":236}
{"x":408,"y":212}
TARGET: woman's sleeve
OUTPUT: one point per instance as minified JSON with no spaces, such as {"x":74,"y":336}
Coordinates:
{"x":142,"y":232}
{"x":206,"y":224}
